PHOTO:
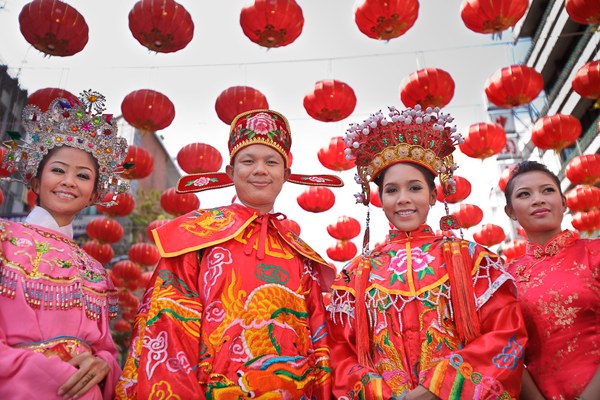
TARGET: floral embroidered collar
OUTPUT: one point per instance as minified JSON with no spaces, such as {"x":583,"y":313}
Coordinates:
{"x":552,"y":246}
{"x":422,"y":231}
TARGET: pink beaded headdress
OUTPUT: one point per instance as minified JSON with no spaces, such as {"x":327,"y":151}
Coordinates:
{"x":78,"y":123}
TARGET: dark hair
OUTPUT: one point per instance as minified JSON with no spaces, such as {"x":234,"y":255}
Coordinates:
{"x":522,"y":168}
{"x":429,"y":177}
{"x":45,"y":159}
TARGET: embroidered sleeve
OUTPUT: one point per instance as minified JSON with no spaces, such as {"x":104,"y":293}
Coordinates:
{"x":165,"y":349}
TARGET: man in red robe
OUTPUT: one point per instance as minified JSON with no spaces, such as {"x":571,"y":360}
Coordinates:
{"x":235,"y":307}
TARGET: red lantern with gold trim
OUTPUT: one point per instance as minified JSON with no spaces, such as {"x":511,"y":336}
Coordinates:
{"x":330,"y":101}
{"x":178,"y":203}
{"x":238,"y":99}
{"x":555,"y":132}
{"x":586,"y":12}
{"x":492,"y":16}
{"x":343,"y":250}
{"x":584,"y":169}
{"x":104,"y":230}
{"x":199,"y":157}
{"x":344,"y":228}
{"x":145,"y":254}
{"x":148,"y":110}
{"x":489,"y":235}
{"x":141,"y":163}
{"x":43,"y":97}
{"x":102,"y":252}
{"x":587,"y":221}
{"x":514,"y":249}
{"x":586,"y":81}
{"x":316,"y":199}
{"x":163,"y":26}
{"x":483,"y":140}
{"x":333,"y":156}
{"x":127,"y":273}
{"x":514,"y":86}
{"x":429,"y":87}
{"x":123,"y":205}
{"x":53,"y":27}
{"x":505,"y":176}
{"x":468,"y":215}
{"x":272,"y":23}
{"x":463,"y":190}
{"x":583,"y":198}
{"x":386,"y":19}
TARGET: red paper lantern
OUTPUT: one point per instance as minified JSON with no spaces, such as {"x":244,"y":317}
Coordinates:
{"x":492,"y":16}
{"x":468,"y":215}
{"x":178,"y":203}
{"x":104,"y":230}
{"x":386,"y":19}
{"x":316,"y":199}
{"x":333,"y":157}
{"x":505,"y":176}
{"x":163,"y":26}
{"x":121,"y":325}
{"x":4,"y":169}
{"x":555,"y":132}
{"x":343,"y":250}
{"x":483,"y":140}
{"x":199,"y":157}
{"x":238,"y":99}
{"x":124,"y":205}
{"x":583,"y":198}
{"x":584,"y":170}
{"x":53,"y":27}
{"x":586,"y":12}
{"x":31,"y":199}
{"x":272,"y":23}
{"x":489,"y":235}
{"x":586,"y":81}
{"x":142,"y":163}
{"x":145,"y":254}
{"x":145,"y":280}
{"x":345,"y":228}
{"x":127,"y":301}
{"x":128,"y":272}
{"x":291,"y":225}
{"x":514,"y":86}
{"x":102,"y":252}
{"x":374,"y":196}
{"x":43,"y":97}
{"x":514,"y":249}
{"x":463,"y":190}
{"x":148,"y":110}
{"x":429,"y":87}
{"x":153,"y":225}
{"x":586,"y":221}
{"x":330,"y":101}
{"x":521,"y":232}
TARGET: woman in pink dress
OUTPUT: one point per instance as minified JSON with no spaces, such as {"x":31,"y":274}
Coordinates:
{"x":55,"y":300}
{"x":558,"y":282}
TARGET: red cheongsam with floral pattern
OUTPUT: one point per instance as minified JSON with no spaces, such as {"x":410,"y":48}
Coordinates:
{"x":559,"y":292}
{"x":413,"y":335}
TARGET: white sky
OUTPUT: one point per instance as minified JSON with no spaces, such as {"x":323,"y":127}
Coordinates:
{"x":220,"y":56}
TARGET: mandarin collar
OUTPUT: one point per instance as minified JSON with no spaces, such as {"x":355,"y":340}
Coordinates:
{"x":41,"y":217}
{"x":422,"y":231}
{"x":552,"y":246}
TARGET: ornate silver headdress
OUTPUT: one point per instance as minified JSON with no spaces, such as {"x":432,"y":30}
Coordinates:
{"x":70,"y":122}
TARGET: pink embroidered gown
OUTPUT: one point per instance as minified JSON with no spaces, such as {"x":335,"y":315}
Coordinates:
{"x":559,"y":292}
{"x":413,"y":334}
{"x":55,"y":302}
{"x":235,"y":311}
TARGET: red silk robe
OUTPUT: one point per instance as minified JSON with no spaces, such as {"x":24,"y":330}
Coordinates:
{"x":413,"y":334}
{"x":235,"y":310}
{"x":559,"y":293}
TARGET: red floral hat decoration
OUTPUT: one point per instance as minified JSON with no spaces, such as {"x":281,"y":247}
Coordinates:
{"x":266,"y":127}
